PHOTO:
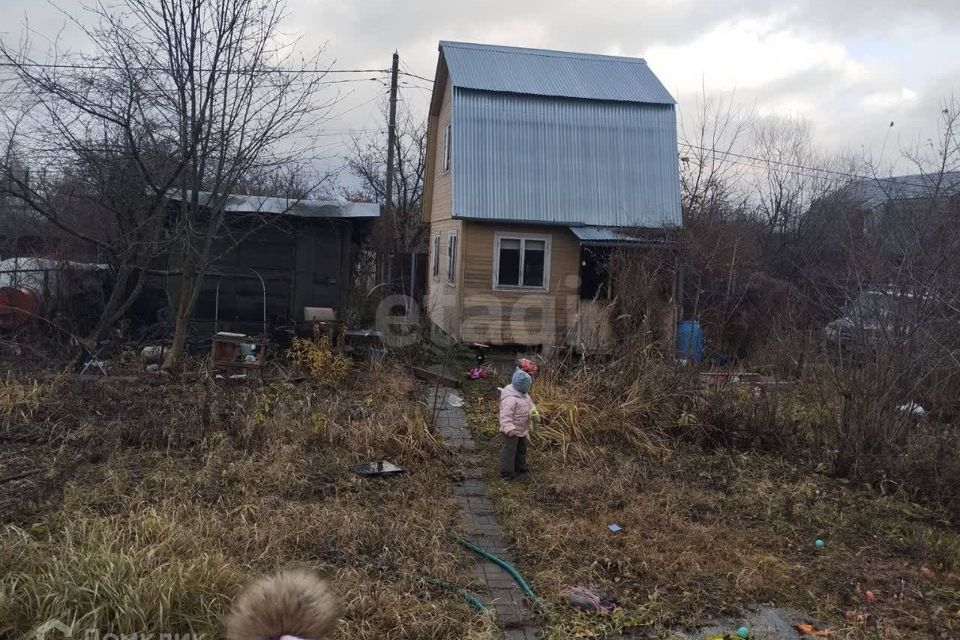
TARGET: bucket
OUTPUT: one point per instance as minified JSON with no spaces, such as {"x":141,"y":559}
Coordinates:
{"x":689,"y":341}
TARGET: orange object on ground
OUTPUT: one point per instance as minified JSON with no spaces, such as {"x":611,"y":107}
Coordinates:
{"x":17,"y":306}
{"x":810,"y":630}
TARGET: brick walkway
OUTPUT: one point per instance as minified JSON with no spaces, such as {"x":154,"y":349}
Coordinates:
{"x":501,"y":593}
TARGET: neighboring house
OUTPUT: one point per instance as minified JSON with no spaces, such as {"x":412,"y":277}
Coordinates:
{"x":899,"y":205}
{"x":874,"y":193}
{"x":533,"y":158}
{"x":281,"y":255}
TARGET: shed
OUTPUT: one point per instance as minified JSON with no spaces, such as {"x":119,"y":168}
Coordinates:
{"x":276,"y":257}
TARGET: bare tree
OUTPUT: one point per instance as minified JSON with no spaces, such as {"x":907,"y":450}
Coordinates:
{"x":207,"y":83}
{"x":790,"y":172}
{"x":712,"y":142}
{"x":401,"y":231}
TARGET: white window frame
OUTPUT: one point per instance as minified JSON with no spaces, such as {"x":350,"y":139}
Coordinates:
{"x":452,"y":249}
{"x":522,"y":237}
{"x":447,"y":134}
{"x":435,"y":266}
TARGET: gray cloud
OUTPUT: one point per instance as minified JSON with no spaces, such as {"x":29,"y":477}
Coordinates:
{"x":875,"y":34}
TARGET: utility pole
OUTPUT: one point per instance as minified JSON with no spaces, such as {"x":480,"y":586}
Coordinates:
{"x":391,"y":141}
{"x":391,"y":131}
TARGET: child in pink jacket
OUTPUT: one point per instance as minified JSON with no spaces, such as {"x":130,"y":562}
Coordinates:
{"x":515,"y":408}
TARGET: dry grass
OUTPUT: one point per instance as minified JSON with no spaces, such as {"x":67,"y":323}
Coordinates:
{"x":709,"y":530}
{"x":19,"y":400}
{"x":186,"y":490}
{"x":593,"y":408}
{"x":706,"y":535}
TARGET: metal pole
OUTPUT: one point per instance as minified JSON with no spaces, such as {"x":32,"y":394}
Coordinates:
{"x":263,"y":288}
{"x":216,"y":308}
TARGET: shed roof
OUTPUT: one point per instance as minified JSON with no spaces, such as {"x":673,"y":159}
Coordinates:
{"x":552,"y":73}
{"x":602,"y":235}
{"x":611,"y":237}
{"x":305,"y":208}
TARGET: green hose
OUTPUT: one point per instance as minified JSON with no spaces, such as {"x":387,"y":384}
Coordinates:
{"x":443,"y":584}
{"x":469,"y":597}
{"x":506,"y":566}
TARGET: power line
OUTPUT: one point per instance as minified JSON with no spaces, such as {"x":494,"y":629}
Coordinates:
{"x":95,"y":67}
{"x":355,"y":107}
{"x":416,"y":86}
{"x":418,"y":77}
{"x":800,"y":167}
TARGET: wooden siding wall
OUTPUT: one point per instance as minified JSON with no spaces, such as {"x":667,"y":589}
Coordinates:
{"x":441,"y":196}
{"x":518,"y":317}
{"x":443,"y":302}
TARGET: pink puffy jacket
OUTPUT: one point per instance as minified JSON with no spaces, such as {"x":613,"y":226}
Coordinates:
{"x":515,"y":410}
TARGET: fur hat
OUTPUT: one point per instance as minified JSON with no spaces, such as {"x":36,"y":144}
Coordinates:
{"x":521,"y":381}
{"x":291,"y":604}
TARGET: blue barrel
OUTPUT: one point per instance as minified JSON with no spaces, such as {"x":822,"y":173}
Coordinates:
{"x":690,"y":341}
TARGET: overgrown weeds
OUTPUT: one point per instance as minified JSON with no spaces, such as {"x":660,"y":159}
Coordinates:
{"x":189,"y":488}
{"x":604,"y":406}
{"x":720,"y":493}
{"x":317,"y":358}
{"x":710,"y":534}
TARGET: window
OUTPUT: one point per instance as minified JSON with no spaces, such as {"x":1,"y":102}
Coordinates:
{"x":452,"y":257}
{"x":521,"y":261}
{"x":436,"y":255}
{"x":447,"y":134}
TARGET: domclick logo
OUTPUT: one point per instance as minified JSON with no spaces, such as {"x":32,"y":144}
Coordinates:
{"x":51,"y":629}
{"x":54,"y":629}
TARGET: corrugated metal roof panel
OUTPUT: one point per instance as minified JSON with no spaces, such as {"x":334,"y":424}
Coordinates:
{"x":298,"y":208}
{"x":873,"y":192}
{"x":564,"y":161}
{"x":552,"y":73}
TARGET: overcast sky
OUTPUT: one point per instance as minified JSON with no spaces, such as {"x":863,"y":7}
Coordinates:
{"x":849,"y":66}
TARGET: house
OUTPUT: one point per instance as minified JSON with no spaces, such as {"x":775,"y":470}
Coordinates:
{"x":887,"y":204}
{"x":538,"y":161}
{"x":276,"y":257}
{"x":902,"y":212}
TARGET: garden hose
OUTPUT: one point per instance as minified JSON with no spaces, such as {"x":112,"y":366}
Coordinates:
{"x":449,"y":586}
{"x":443,"y":584}
{"x":506,"y":566}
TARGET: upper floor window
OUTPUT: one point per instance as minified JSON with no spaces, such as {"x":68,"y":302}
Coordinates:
{"x":521,"y":261}
{"x":447,"y":141}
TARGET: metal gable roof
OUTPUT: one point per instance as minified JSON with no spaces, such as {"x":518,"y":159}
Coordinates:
{"x":873,"y":192}
{"x":552,"y":73}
